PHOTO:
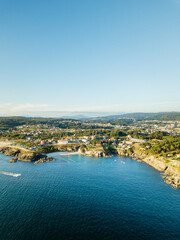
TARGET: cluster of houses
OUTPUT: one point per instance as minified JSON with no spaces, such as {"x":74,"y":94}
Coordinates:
{"x":33,"y":132}
{"x":64,"y":141}
{"x":128,"y":143}
{"x":84,"y":139}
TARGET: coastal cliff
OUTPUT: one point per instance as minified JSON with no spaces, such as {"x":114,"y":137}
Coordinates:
{"x":96,"y":151}
{"x":169,"y":168}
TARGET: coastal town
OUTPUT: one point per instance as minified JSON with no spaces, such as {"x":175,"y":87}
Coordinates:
{"x":41,"y":134}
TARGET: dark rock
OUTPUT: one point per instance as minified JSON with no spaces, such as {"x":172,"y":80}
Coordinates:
{"x":13,"y":160}
{"x":44,"y":159}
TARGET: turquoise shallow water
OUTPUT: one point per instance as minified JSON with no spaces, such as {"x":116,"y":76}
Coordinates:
{"x":78,"y":197}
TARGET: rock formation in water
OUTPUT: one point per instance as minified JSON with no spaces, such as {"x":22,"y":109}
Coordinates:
{"x":25,"y":156}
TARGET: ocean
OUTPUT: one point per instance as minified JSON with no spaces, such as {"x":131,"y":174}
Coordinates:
{"x":83,"y":198}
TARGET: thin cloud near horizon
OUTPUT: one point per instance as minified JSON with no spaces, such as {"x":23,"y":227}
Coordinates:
{"x":28,"y":108}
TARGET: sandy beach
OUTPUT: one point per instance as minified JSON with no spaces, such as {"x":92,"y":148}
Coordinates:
{"x":6,"y":143}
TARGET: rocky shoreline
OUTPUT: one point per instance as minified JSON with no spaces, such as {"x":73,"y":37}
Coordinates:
{"x":25,"y":156}
{"x":170,"y":169}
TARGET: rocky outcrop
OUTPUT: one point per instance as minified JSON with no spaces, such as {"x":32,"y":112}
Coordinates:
{"x":159,"y":164}
{"x":25,"y":156}
{"x":29,"y":156}
{"x":13,"y":160}
{"x":170,"y":169}
{"x":82,"y":149}
{"x":94,"y":153}
{"x":97,"y":151}
{"x":172,"y":173}
{"x":9,"y":151}
{"x":44,"y":159}
{"x":68,"y":147}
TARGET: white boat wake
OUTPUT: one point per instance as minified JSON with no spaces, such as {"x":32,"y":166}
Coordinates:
{"x":10,"y":174}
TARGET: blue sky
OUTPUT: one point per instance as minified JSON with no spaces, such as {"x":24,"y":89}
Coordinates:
{"x":89,"y":55}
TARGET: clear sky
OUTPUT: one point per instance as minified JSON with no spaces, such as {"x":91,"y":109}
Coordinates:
{"x":89,"y":55}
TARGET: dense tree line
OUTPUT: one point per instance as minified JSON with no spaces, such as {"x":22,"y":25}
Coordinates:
{"x":9,"y":123}
{"x":168,"y":144}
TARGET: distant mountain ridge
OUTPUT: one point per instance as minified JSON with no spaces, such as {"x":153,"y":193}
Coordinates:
{"x":174,"y":116}
{"x":64,"y":114}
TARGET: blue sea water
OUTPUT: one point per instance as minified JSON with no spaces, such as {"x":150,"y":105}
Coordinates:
{"x":78,"y":197}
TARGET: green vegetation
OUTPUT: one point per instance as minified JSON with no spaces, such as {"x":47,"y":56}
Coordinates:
{"x":173,"y":116}
{"x":7,"y":123}
{"x":169,"y":146}
{"x":137,"y":134}
{"x":158,"y":135}
{"x":108,"y":133}
{"x":162,"y":116}
{"x":47,"y":149}
{"x":112,"y":121}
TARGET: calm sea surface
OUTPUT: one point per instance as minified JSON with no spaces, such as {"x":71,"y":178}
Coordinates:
{"x":78,"y":197}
